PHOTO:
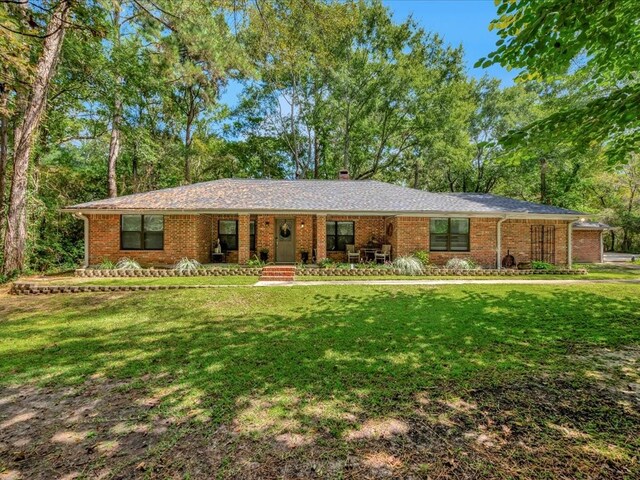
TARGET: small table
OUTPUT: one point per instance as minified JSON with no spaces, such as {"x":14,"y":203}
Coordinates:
{"x":218,"y":257}
{"x":369,"y":253}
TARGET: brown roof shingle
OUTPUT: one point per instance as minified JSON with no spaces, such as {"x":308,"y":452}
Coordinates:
{"x":345,"y":196}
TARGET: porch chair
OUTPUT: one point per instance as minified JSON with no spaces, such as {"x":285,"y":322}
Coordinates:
{"x":384,"y":254}
{"x":352,"y":254}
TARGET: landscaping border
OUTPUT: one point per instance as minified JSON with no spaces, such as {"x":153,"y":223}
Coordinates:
{"x":432,"y":272}
{"x":312,"y":271}
{"x":25,"y":288}
{"x":167,"y":272}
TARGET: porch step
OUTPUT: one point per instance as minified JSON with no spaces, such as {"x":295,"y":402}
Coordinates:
{"x":278,"y":273}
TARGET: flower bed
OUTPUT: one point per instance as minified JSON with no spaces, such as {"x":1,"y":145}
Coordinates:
{"x":167,"y":272}
{"x":432,"y":272}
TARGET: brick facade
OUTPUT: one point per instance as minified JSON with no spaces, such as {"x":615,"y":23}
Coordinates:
{"x":365,"y":228}
{"x":193,"y":236}
{"x":587,"y":246}
{"x":184,"y":236}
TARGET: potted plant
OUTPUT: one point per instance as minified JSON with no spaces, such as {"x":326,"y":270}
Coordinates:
{"x":264,"y":254}
{"x":304,"y":255}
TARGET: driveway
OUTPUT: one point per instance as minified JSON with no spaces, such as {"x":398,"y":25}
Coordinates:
{"x":611,"y":257}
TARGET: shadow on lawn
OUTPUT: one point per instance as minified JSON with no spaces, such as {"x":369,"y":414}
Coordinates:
{"x":345,"y":365}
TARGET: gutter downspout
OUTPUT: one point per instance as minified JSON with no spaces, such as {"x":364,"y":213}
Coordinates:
{"x":86,"y":237}
{"x":570,"y":243}
{"x":499,"y":242}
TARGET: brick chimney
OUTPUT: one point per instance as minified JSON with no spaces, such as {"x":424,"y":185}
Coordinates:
{"x":343,"y":175}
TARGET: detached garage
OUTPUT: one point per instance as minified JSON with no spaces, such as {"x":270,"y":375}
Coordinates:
{"x":587,"y":246}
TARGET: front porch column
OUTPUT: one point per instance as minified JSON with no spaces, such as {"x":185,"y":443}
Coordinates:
{"x":321,"y":237}
{"x":244,"y":238}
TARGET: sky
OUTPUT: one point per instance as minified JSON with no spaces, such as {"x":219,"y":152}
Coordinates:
{"x":463,"y":22}
{"x":458,"y":22}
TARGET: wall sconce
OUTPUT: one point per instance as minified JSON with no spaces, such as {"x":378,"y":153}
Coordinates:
{"x":266,"y":223}
{"x":302,"y":224}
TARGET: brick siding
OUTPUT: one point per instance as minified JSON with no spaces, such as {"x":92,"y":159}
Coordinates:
{"x":193,"y":236}
{"x":184,"y":236}
{"x":365,"y":227}
{"x":586,"y":246}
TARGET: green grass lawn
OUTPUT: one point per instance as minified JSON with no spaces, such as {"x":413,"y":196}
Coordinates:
{"x":336,"y":381}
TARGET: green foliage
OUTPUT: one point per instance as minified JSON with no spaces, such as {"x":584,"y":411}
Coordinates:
{"x":325,"y":263}
{"x":423,"y":256}
{"x":547,"y":39}
{"x":408,"y":265}
{"x":106,"y":264}
{"x":256,"y":262}
{"x":538,"y":265}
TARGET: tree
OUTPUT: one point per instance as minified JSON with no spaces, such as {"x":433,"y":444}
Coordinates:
{"x":551,"y":38}
{"x":15,"y":234}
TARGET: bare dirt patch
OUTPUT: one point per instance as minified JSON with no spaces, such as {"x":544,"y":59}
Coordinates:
{"x":533,"y":427}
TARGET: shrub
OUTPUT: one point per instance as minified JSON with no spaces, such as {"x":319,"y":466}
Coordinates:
{"x":408,"y":265}
{"x":538,"y":265}
{"x":106,"y":264}
{"x":256,"y":262}
{"x":423,"y":256}
{"x":127,"y":264}
{"x":460,"y":264}
{"x":325,"y":263}
{"x":187,"y":265}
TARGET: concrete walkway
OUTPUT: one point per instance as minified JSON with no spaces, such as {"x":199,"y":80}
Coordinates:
{"x":443,"y":282}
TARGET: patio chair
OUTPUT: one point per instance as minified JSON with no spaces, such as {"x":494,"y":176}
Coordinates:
{"x":352,"y":254}
{"x":384,"y":254}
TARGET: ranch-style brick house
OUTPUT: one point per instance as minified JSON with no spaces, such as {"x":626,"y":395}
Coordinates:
{"x":290,"y":220}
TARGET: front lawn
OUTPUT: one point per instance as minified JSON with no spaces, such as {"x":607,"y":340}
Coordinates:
{"x":464,"y":381}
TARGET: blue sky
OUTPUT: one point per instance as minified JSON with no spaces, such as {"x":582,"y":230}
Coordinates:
{"x":463,"y":22}
{"x":459,"y":22}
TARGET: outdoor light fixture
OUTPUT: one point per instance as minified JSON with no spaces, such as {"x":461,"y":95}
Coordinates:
{"x":302,"y":224}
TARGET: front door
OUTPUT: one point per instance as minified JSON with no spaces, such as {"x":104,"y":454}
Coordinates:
{"x":285,"y":240}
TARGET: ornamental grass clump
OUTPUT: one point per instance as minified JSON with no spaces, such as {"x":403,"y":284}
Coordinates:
{"x":127,"y":264}
{"x":106,"y":264}
{"x":408,"y":265}
{"x":185,"y":265}
{"x":460,"y":264}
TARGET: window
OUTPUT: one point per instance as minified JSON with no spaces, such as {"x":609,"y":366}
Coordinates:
{"x":339,"y":235}
{"x":252,"y":236}
{"x":141,"y":232}
{"x":449,"y":234}
{"x":228,"y":234}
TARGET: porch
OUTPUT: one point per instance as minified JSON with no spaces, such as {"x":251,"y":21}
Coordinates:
{"x":301,"y":238}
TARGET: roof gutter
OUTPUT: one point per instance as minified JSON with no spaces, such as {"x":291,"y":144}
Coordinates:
{"x":383,"y":213}
{"x":81,"y":216}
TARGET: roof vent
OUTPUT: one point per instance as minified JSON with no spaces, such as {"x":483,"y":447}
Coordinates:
{"x":343,"y":175}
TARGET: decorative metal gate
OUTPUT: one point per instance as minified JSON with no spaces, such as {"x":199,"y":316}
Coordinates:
{"x":543,"y":243}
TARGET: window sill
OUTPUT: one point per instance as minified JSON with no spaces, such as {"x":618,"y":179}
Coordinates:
{"x":142,"y":250}
{"x":449,"y":251}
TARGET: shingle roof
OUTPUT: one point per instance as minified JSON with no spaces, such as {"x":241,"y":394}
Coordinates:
{"x":362,"y":196}
{"x":591,"y":226}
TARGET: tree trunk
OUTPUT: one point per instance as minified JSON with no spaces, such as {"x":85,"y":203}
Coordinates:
{"x":114,"y":142}
{"x":4,"y":155}
{"x":543,"y":180}
{"x":16,"y":233}
{"x":114,"y":148}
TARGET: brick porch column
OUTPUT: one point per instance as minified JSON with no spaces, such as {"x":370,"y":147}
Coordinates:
{"x":243,"y":238}
{"x":321,"y":237}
